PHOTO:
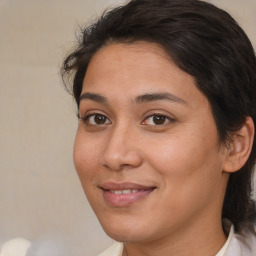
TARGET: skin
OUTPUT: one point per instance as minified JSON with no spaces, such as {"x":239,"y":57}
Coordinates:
{"x":182,"y":158}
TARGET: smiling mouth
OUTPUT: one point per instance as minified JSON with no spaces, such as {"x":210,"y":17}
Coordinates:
{"x":125,"y":194}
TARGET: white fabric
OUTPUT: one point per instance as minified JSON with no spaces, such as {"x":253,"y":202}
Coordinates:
{"x":115,"y":250}
{"x":236,"y":245}
{"x":15,"y":247}
{"x":242,"y":245}
{"x":225,"y":246}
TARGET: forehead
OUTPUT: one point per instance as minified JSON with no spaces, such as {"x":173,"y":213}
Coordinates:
{"x":131,"y":54}
{"x":138,"y":68}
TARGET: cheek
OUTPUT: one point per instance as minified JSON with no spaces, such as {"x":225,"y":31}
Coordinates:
{"x":85,"y":156}
{"x":190,"y":170}
{"x":188,"y":159}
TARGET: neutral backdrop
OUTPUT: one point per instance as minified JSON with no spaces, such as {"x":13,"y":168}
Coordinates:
{"x":40,"y":195}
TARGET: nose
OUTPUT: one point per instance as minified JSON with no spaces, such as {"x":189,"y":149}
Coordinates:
{"x":121,"y":151}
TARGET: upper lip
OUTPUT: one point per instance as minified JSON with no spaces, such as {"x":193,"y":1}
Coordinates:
{"x":125,"y":186}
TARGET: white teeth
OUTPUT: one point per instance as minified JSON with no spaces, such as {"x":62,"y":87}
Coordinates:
{"x":125,"y":191}
{"x":117,"y":192}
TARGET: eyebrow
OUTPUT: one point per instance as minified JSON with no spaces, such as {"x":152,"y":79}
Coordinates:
{"x":93,"y":96}
{"x":149,"y":97}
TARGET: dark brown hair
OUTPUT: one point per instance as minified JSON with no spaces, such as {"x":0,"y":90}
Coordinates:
{"x":205,"y":42}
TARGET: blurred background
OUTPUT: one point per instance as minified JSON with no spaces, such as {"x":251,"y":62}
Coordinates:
{"x":40,"y":194}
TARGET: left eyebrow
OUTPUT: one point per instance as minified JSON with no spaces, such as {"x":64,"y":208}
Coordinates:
{"x":149,"y":97}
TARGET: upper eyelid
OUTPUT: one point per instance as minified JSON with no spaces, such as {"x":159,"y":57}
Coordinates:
{"x":160,"y":113}
{"x":167,"y":117}
{"x":92,"y":112}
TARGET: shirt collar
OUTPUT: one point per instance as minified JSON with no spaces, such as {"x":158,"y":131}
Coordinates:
{"x":230,"y":226}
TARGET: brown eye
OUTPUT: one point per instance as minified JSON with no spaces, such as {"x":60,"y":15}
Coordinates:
{"x":158,"y":120}
{"x":96,"y":119}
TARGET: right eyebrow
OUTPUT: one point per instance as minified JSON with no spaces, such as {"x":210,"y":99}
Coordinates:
{"x":94,"y":97}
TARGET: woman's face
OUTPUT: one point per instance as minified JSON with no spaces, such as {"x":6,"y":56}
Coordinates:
{"x":147,"y":150}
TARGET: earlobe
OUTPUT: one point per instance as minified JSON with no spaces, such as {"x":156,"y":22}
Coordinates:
{"x":240,"y":147}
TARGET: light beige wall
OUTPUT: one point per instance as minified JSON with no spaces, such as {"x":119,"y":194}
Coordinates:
{"x":41,"y":198}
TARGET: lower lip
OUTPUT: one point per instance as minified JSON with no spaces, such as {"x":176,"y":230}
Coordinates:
{"x":122,"y":200}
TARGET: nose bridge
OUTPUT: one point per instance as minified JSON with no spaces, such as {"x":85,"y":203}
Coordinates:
{"x":121,"y":148}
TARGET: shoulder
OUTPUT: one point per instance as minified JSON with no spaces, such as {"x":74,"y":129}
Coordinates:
{"x":115,"y":250}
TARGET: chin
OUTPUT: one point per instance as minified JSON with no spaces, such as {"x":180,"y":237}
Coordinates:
{"x":126,"y":236}
{"x":126,"y":232}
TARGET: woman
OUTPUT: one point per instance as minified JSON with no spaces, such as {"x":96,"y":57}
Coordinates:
{"x":165,"y":146}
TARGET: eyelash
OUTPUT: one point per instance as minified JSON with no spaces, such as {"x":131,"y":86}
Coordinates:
{"x":106,"y":121}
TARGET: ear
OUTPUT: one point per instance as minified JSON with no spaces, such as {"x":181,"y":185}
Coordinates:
{"x":240,"y":147}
